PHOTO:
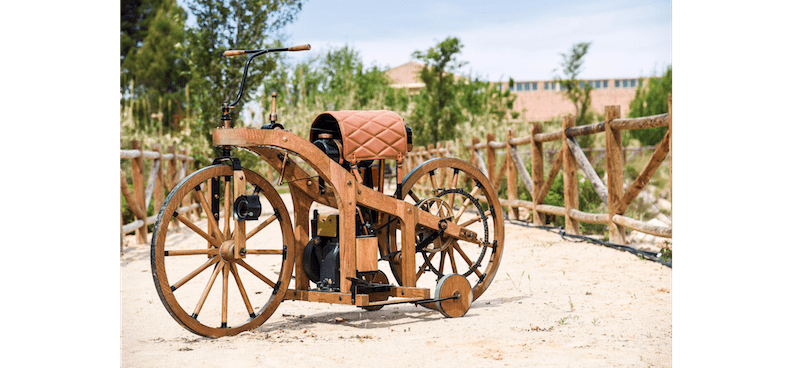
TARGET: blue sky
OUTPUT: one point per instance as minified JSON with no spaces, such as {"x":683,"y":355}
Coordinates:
{"x":518,"y":39}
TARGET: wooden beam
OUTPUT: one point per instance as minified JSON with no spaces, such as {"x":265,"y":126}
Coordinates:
{"x":571,"y":197}
{"x":511,"y":183}
{"x":663,"y":231}
{"x":550,"y":179}
{"x":139,"y":190}
{"x":645,"y":175}
{"x":645,"y":122}
{"x":537,"y":152}
{"x":587,"y":169}
{"x":520,"y":168}
{"x":614,"y":173}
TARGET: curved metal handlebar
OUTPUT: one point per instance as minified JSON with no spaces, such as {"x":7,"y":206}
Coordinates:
{"x":254,"y":54}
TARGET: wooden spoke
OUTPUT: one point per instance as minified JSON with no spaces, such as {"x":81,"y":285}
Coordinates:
{"x":192,"y":252}
{"x":466,"y":259}
{"x":466,"y":203}
{"x":255,"y":272}
{"x":414,"y":197}
{"x":265,"y":251}
{"x":227,"y":206}
{"x":206,"y":291}
{"x":475,"y":219}
{"x":433,"y":182}
{"x":194,"y":273}
{"x":224,"y":320}
{"x":452,"y":260}
{"x":261,"y":226}
{"x":442,"y":261}
{"x":423,"y":268}
{"x":198,"y":231}
{"x":214,"y":228}
{"x":453,"y":184}
{"x":239,"y":285}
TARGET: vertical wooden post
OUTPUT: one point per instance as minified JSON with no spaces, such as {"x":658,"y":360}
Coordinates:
{"x":159,"y":193}
{"x":614,"y":172}
{"x":473,"y":161}
{"x":670,"y":153}
{"x":139,"y":187}
{"x":537,"y":153}
{"x":171,"y":177}
{"x":491,"y":159}
{"x":570,"y":193}
{"x":513,"y":212}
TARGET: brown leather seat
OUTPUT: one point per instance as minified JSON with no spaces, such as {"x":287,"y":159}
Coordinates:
{"x":366,"y":135}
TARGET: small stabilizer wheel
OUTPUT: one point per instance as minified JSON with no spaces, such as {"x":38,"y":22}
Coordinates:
{"x":453,"y":285}
{"x":379,"y":278}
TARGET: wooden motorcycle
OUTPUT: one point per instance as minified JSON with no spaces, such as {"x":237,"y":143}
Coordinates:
{"x":432,"y":229}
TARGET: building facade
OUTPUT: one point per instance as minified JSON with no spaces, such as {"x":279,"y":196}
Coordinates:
{"x":539,"y":100}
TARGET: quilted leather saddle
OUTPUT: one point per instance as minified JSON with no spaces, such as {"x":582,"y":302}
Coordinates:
{"x":366,"y":135}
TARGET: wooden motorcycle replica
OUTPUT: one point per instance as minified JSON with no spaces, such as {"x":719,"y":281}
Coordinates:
{"x":433,"y":230}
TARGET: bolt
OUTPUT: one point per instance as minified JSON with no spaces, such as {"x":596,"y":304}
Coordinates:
{"x":310,"y":182}
{"x":349,"y":183}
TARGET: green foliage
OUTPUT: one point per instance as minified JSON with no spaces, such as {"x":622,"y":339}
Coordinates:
{"x":228,"y":25}
{"x":579,"y":93}
{"x":651,"y":99}
{"x":449,"y":102}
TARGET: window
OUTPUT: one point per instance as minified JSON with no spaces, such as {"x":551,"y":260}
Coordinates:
{"x":605,"y":83}
{"x":598,"y":84}
{"x":535,"y":86}
{"x":519,"y":86}
{"x":511,"y":88}
{"x":546,"y":86}
{"x":617,"y":84}
{"x":633,"y":83}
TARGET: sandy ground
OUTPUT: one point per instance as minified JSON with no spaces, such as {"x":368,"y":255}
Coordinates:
{"x":553,"y":303}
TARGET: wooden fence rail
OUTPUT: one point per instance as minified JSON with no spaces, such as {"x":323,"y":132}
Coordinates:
{"x":139,"y":198}
{"x":571,"y":158}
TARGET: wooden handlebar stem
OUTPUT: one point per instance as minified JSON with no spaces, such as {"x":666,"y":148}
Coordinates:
{"x":299,"y":48}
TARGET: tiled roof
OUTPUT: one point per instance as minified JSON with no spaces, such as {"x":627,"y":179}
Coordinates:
{"x":406,"y":74}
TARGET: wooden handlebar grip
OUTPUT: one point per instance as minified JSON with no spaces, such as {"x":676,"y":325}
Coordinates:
{"x":299,"y":48}
{"x":231,"y":53}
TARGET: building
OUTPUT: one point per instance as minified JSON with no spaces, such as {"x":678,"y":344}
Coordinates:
{"x":542,"y":100}
{"x":538,"y":100}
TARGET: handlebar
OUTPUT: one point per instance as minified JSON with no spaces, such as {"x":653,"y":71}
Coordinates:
{"x":254,"y":54}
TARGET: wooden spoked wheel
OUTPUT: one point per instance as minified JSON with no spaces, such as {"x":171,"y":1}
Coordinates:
{"x":451,"y":188}
{"x":199,"y":281}
{"x":453,"y":286}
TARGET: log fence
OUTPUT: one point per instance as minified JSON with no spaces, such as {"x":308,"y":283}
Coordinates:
{"x":153,"y":188}
{"x":571,"y":159}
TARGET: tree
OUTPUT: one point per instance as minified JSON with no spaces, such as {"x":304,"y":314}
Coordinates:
{"x":437,"y":110}
{"x":227,"y":25}
{"x":153,"y":66}
{"x":651,"y":99}
{"x":579,"y":93}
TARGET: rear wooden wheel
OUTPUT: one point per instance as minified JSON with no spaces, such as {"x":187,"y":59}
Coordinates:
{"x":449,"y":187}
{"x":197,"y":278}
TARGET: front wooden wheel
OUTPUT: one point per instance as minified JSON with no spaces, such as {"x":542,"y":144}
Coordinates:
{"x":200,"y":283}
{"x":452,"y":188}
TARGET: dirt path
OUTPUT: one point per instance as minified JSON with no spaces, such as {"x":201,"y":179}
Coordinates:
{"x":553,"y":304}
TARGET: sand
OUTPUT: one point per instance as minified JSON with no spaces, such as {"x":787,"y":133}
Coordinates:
{"x":553,"y":303}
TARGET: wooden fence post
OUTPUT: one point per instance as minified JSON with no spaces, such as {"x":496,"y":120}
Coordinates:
{"x":614,"y":173}
{"x":513,"y":212}
{"x":537,"y":153}
{"x":139,"y":187}
{"x":491,"y":163}
{"x":171,"y":177}
{"x":159,"y":193}
{"x":570,"y":193}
